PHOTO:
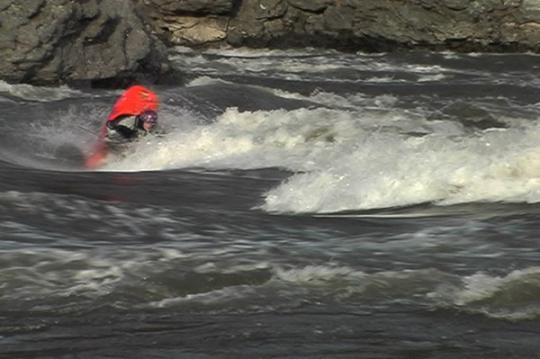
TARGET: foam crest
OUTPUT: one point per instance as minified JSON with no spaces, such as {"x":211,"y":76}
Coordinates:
{"x":317,"y":274}
{"x":240,"y":140}
{"x":356,"y":101}
{"x":296,"y":284}
{"x":357,"y":159}
{"x":512,"y":297}
{"x":173,"y":278}
{"x":38,"y":93}
{"x":391,"y":170}
{"x":115,"y":220}
{"x":299,"y":64}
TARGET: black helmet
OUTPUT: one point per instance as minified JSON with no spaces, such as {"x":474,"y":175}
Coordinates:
{"x":149,"y":116}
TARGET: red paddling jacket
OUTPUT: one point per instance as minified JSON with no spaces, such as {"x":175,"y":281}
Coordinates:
{"x":125,"y":122}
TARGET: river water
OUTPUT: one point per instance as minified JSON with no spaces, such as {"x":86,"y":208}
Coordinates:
{"x":298,"y":204}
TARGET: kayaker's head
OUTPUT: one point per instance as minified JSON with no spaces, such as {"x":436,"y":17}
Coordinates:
{"x":147,"y":120}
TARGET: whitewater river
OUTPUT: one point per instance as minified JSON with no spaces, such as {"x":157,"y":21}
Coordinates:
{"x":298,"y":204}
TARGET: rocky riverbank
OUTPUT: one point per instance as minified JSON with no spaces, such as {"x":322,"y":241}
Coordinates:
{"x":110,"y":41}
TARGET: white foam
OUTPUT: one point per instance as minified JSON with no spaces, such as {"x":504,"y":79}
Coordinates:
{"x":512,"y":297}
{"x":212,"y":297}
{"x":317,"y":274}
{"x":205,"y":81}
{"x":432,"y":78}
{"x":257,"y":53}
{"x":357,"y":159}
{"x":38,"y":93}
{"x":296,"y":64}
{"x":239,"y":140}
{"x":68,"y":127}
{"x":356,"y":101}
{"x":123,"y":221}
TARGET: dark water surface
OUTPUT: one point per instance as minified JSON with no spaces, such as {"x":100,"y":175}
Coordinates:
{"x":301,"y":204}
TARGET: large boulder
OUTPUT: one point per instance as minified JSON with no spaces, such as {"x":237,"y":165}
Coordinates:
{"x":58,"y":41}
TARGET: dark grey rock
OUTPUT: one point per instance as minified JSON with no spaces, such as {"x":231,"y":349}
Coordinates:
{"x":248,"y":26}
{"x":310,"y":5}
{"x":193,"y":6}
{"x":456,"y":4}
{"x":464,"y":25}
{"x":337,"y":19}
{"x":58,"y":41}
{"x":269,"y":9}
{"x":54,"y":41}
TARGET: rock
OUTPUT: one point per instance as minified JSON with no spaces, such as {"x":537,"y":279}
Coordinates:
{"x":336,"y":19}
{"x":270,"y":9}
{"x":196,"y":30}
{"x":200,"y":7}
{"x":189,"y":22}
{"x":495,"y":25}
{"x":248,"y":24}
{"x":456,"y":4}
{"x":461,"y":25}
{"x":58,"y":41}
{"x":316,"y":6}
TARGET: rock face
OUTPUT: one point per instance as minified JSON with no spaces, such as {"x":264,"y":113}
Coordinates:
{"x":190,"y":22}
{"x":196,"y":7}
{"x":57,"y":41}
{"x":492,"y":25}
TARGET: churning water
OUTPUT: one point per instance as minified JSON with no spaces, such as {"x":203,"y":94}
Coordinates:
{"x":297,"y":204}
